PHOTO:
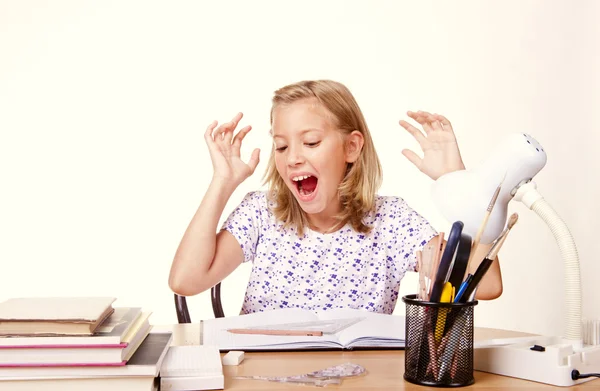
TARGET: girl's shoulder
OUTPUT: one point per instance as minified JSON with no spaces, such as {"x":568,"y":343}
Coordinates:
{"x":257,"y":203}
{"x":388,"y":210}
{"x":257,"y":198}
{"x":390,"y":204}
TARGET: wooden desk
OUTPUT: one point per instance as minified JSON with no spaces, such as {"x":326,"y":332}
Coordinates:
{"x":384,"y":368}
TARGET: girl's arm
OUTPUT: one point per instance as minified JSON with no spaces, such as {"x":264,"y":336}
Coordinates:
{"x":204,"y":257}
{"x":490,"y":286}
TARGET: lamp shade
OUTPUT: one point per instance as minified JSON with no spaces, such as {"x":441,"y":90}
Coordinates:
{"x":465,"y":195}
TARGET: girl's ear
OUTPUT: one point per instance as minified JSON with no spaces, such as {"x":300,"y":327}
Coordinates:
{"x":354,"y":144}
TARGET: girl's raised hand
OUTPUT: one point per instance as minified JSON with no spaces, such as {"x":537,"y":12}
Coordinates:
{"x":440,"y":150}
{"x":224,"y":151}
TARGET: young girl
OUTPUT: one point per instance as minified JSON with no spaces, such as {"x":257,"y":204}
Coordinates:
{"x":320,"y":237}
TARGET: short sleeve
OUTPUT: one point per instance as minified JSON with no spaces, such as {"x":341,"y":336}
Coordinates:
{"x":413,"y":232}
{"x":244,"y":223}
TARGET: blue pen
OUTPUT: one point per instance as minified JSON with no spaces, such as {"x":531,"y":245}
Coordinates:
{"x":463,"y":287}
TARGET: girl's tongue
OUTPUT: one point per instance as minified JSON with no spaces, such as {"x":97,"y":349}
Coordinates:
{"x":308,"y":185}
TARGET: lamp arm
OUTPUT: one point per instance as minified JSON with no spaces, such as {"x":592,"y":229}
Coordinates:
{"x":529,"y":195}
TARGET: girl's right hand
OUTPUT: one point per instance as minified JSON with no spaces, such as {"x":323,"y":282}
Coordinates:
{"x":224,"y":151}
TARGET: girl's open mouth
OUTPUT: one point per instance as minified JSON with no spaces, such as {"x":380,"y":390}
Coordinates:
{"x":306,"y":186}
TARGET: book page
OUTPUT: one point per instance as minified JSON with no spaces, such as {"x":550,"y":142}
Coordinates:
{"x":331,"y":326}
{"x":215,"y":331}
{"x":376,"y":330}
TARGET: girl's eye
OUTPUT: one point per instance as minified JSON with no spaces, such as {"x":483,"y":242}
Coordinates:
{"x":313,"y":144}
{"x":281,"y":149}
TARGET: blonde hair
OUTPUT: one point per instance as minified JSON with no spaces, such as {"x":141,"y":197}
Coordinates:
{"x":358,"y":189}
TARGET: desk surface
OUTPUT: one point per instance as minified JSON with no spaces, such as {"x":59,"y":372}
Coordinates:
{"x":385,"y":368}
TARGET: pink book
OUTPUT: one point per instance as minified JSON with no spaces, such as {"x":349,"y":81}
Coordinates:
{"x":69,"y":354}
{"x":67,"y":346}
{"x":52,"y":365}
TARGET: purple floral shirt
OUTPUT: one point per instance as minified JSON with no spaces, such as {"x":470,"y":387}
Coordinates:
{"x":317,"y":271}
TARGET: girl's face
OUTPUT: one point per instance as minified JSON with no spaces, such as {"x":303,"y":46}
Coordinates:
{"x":310,"y":155}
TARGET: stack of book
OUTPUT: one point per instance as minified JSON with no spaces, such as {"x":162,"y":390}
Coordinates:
{"x":78,"y":343}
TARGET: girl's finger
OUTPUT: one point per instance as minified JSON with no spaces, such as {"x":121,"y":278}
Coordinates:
{"x":209,"y":131}
{"x":228,"y":135}
{"x":412,"y":157}
{"x":436,"y":125}
{"x":445,"y":123}
{"x":254,"y":159}
{"x":428,"y":117}
{"x":237,"y":140}
{"x":236,"y":119}
{"x":417,"y":134}
{"x":421,"y":118}
{"x":218,"y":133}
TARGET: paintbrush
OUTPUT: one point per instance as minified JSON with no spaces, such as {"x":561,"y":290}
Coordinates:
{"x":512,"y":220}
{"x":486,"y":217}
{"x":483,"y":267}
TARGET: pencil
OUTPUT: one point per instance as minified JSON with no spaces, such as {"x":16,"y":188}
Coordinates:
{"x":306,"y":333}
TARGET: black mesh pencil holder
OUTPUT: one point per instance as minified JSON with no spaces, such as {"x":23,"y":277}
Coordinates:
{"x":439,"y":343}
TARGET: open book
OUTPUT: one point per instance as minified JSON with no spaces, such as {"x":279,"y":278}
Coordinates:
{"x":357,"y":329}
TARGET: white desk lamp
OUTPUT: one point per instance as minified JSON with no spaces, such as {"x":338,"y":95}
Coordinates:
{"x":465,"y":195}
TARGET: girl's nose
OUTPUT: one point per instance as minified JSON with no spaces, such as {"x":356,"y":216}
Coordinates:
{"x":295,"y":157}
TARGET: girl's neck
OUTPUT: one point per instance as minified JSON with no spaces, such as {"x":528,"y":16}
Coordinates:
{"x":326,"y":221}
{"x":325,"y":227}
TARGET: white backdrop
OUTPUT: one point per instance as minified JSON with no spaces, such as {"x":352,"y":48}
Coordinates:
{"x":103,"y":106}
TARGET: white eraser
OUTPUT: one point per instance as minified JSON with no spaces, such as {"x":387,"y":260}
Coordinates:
{"x":233,"y":357}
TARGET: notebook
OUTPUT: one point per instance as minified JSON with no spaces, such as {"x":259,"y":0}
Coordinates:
{"x":192,"y":368}
{"x":372,"y":330}
{"x":54,"y":315}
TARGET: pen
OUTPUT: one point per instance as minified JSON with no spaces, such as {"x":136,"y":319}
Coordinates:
{"x":277,"y":332}
{"x":479,"y":273}
{"x":462,"y":288}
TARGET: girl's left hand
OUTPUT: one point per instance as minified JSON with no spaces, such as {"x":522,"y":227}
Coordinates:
{"x":440,"y":150}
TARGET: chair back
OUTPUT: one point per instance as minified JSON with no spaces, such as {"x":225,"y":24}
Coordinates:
{"x":181,"y":307}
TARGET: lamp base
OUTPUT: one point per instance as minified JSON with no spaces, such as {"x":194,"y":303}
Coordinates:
{"x":515,"y":358}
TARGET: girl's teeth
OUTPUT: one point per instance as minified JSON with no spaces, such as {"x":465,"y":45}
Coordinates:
{"x":299,"y":178}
